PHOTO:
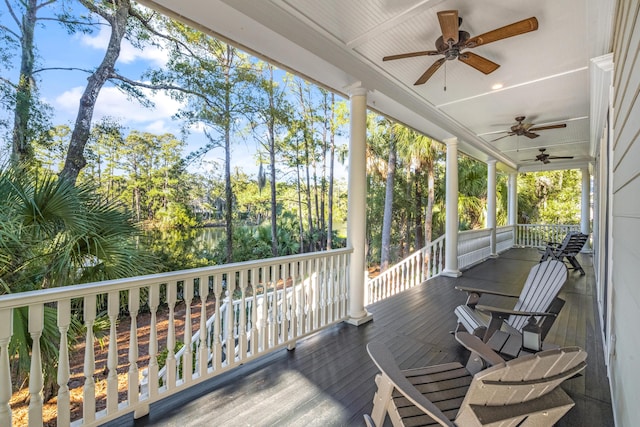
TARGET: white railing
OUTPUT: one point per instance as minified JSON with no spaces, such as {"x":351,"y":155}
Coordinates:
{"x":538,"y":235}
{"x":474,"y":246}
{"x":250,"y":309}
{"x":505,"y":238}
{"x":421,"y":265}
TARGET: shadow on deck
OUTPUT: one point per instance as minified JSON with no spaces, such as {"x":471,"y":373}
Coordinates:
{"x":328,"y":380}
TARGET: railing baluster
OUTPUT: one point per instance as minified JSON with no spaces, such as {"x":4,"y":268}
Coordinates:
{"x":154,"y":301}
{"x":217,"y":345}
{"x":307,"y":293}
{"x":134,"y":307}
{"x":89,"y":392}
{"x":293,"y":311}
{"x":275,"y":306}
{"x":329,"y":285}
{"x":230,"y":324}
{"x":343,"y":284}
{"x":255,"y":333}
{"x":113,"y":306}
{"x":262,"y":310}
{"x":64,"y":320}
{"x":242,"y":329}
{"x":6,"y":330}
{"x":203,"y":348}
{"x":187,"y":356}
{"x":171,"y":363}
{"x":36,"y":324}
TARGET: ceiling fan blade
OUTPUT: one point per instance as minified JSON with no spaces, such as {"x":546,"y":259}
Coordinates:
{"x":560,"y":157}
{"x":530,"y":134}
{"x":411,"y":55}
{"x":563,"y":125}
{"x":478,"y":62}
{"x":427,"y":74}
{"x":449,"y":25}
{"x":509,"y":134}
{"x":515,"y":29}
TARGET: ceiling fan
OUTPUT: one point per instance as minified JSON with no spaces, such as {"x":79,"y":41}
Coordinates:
{"x":545,"y":158}
{"x":453,"y":41}
{"x":527,"y":129}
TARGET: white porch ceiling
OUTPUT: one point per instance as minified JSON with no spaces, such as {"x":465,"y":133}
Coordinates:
{"x":545,"y":74}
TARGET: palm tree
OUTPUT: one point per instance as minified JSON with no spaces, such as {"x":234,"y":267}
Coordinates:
{"x":421,"y":153}
{"x":56,"y":234}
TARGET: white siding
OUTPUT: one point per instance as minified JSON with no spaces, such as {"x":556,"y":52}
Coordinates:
{"x":625,"y":303}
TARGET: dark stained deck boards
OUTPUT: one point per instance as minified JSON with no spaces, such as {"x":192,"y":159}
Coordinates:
{"x":328,"y":380}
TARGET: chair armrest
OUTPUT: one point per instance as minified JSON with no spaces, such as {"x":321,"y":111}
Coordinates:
{"x":475,"y":345}
{"x":499,"y":315}
{"x":503,"y":313}
{"x":485,"y":291}
{"x":384,"y":360}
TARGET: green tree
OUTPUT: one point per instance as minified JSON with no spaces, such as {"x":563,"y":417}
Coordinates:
{"x":270,"y":117}
{"x":30,"y":116}
{"x":217,"y":80}
{"x":549,"y":197}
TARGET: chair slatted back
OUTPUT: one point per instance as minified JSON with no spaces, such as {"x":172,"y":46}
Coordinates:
{"x":573,"y":243}
{"x":525,"y":378}
{"x":542,"y":286}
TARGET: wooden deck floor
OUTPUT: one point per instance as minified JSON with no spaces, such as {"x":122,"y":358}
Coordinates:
{"x":328,"y":380}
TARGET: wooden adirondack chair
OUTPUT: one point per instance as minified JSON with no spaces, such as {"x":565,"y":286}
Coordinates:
{"x":570,"y":246}
{"x":538,"y":303}
{"x":523,"y":391}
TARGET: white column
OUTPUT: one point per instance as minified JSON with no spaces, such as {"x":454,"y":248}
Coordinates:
{"x":451,"y":230}
{"x":491,"y":204}
{"x":357,"y":206}
{"x":513,"y":198}
{"x":584,"y":202}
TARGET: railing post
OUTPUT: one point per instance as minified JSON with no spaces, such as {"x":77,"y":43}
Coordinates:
{"x":89,"y":396}
{"x":113,"y":305}
{"x":6,"y":330}
{"x":36,"y":324}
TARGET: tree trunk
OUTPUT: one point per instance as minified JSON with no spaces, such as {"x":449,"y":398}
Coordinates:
{"x":75,"y":160}
{"x":22,"y":151}
{"x":332,"y":155}
{"x":272,"y":161}
{"x":228,"y":190}
{"x":418,"y":225}
{"x":428,"y":220}
{"x":388,"y":206}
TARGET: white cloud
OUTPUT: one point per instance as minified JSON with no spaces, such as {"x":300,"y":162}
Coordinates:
{"x":113,"y":103}
{"x":128,"y":53}
{"x":158,"y":127}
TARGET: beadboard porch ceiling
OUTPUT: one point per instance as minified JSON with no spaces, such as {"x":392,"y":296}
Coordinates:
{"x":544,"y":74}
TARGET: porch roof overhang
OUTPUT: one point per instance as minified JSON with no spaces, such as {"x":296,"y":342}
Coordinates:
{"x":546,"y":75}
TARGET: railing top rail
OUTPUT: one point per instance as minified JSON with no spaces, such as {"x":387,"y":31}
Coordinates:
{"x":472,"y":232}
{"x":22,"y":299}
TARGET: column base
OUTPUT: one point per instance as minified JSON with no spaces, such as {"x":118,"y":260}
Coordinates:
{"x":494,"y":256}
{"x":360,"y":320}
{"x":451,"y":273}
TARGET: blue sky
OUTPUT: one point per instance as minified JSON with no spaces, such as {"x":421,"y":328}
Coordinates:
{"x":61,"y":89}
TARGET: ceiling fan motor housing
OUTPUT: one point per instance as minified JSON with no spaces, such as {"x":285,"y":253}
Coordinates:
{"x":452,"y":51}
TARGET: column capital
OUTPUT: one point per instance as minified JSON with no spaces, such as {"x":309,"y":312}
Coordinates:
{"x":356,"y":89}
{"x":451,"y":141}
{"x":492,"y":161}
